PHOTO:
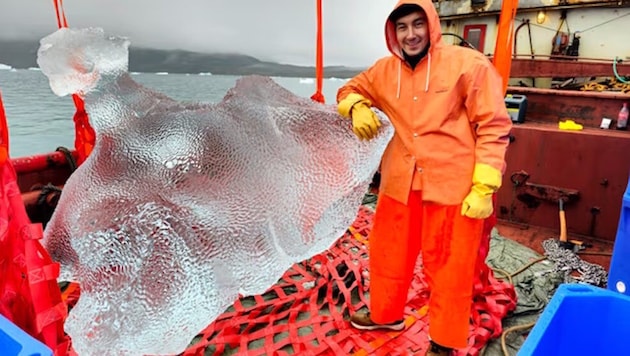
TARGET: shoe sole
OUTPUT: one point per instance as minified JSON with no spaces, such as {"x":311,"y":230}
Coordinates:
{"x":396,"y":327}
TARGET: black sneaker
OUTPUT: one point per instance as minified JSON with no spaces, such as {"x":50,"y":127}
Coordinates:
{"x":438,"y":350}
{"x":362,"y":321}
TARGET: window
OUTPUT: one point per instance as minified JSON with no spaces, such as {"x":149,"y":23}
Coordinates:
{"x":476,"y":35}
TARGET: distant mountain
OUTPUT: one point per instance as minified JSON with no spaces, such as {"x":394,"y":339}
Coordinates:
{"x":23,"y":54}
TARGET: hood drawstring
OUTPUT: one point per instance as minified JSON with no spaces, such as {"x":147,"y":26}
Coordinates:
{"x":426,"y":86}
{"x":427,"y":79}
{"x":399,"y":76}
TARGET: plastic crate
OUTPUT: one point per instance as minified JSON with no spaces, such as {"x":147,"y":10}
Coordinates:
{"x":619,"y":277}
{"x":581,"y":320}
{"x":15,"y":342}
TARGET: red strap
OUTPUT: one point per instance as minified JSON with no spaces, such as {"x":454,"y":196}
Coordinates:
{"x":319,"y":57}
{"x":61,"y":15}
{"x":84,"y":135}
{"x":4,"y":134}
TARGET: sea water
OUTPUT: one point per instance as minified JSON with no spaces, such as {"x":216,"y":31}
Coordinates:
{"x":39,"y":121}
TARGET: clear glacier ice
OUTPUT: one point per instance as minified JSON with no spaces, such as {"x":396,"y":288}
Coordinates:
{"x":182,"y":206}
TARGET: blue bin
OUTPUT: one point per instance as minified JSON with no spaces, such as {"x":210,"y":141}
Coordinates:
{"x":15,"y":342}
{"x":619,"y":276}
{"x":581,"y":319}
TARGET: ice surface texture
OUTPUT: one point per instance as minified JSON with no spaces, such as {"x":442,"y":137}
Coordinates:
{"x":181,"y":206}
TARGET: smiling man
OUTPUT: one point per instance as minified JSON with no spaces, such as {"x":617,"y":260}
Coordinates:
{"x":411,"y":33}
{"x":438,"y":173}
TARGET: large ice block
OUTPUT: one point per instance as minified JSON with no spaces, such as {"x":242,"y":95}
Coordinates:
{"x":181,"y":206}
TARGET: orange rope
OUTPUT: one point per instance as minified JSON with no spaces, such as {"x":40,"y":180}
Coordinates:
{"x":84,"y":135}
{"x":319,"y":57}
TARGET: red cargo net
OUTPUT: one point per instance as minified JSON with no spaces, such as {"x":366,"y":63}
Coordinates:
{"x":29,"y":295}
{"x":307,"y":311}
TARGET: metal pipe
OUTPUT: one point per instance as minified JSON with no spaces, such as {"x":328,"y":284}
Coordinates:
{"x":573,"y":58}
{"x":516,"y":36}
{"x":572,"y":93}
{"x":531,"y":43}
{"x":39,"y":162}
{"x":603,"y":4}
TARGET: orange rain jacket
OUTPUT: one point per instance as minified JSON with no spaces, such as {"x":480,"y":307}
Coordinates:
{"x":449,"y":113}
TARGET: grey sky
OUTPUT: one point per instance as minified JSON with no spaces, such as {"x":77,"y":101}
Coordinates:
{"x":278,"y":30}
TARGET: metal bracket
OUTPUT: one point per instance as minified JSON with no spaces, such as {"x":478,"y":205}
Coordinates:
{"x":533,"y":194}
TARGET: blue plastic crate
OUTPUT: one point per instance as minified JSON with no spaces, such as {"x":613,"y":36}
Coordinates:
{"x":15,"y":342}
{"x":581,"y":320}
{"x":619,"y":278}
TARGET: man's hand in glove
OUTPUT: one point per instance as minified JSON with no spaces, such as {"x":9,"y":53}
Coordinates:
{"x":365,"y":123}
{"x":486,"y":181}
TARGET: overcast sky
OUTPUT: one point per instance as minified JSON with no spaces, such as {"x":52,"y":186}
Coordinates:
{"x":277,"y":30}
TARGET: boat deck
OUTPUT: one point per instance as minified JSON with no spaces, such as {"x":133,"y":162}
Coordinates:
{"x":598,"y":251}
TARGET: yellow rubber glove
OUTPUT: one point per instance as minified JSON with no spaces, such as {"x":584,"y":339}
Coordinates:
{"x":486,"y":181}
{"x":365,"y":123}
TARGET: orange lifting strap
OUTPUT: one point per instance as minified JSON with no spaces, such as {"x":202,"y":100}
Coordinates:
{"x":319,"y":56}
{"x":505,"y":39}
{"x":84,"y":135}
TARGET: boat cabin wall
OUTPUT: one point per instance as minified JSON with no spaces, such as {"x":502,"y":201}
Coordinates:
{"x":601,"y":31}
{"x":588,"y":168}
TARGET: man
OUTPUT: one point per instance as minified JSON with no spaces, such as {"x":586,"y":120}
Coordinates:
{"x":438,"y":173}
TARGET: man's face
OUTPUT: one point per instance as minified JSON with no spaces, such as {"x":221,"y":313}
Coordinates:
{"x":412,"y":33}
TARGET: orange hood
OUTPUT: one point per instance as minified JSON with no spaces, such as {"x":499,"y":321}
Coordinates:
{"x":435,"y":29}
